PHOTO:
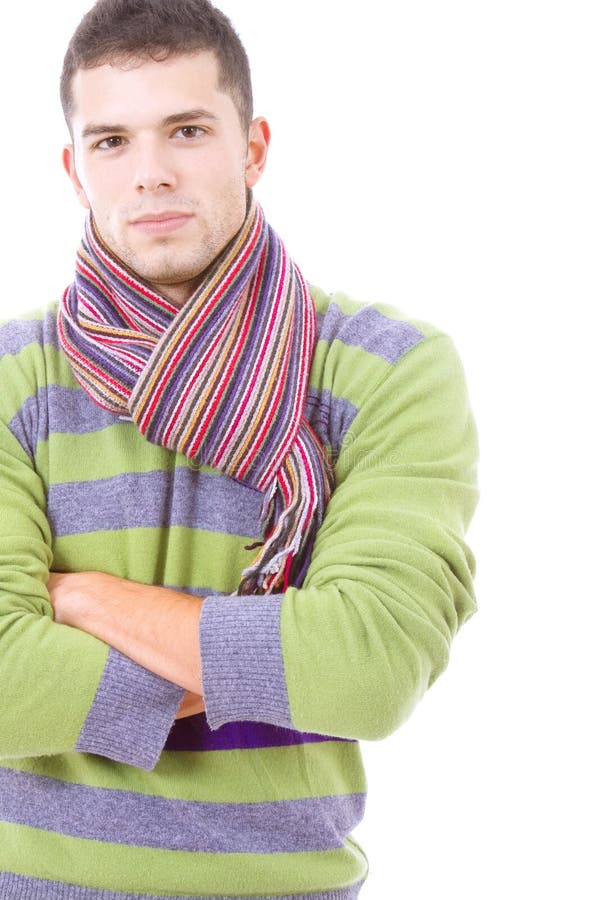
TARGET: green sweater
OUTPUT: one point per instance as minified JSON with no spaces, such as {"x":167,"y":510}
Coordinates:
{"x":103,"y":795}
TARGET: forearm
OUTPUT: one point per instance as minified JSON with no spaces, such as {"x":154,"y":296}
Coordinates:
{"x":65,"y":691}
{"x":156,"y":627}
{"x":352,"y":651}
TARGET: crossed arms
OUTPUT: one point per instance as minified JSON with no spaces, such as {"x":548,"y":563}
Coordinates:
{"x":156,"y":627}
{"x":349,"y":654}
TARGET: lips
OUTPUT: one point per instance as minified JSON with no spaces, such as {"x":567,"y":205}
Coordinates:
{"x":161,"y":216}
{"x":162,"y":223}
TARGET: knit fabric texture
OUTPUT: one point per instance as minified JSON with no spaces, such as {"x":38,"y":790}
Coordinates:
{"x":222,"y":381}
{"x":103,"y":794}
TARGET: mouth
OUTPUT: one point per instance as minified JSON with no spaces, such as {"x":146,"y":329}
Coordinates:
{"x":162,"y":223}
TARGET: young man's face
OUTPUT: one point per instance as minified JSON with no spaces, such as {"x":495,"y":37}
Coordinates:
{"x":160,"y":157}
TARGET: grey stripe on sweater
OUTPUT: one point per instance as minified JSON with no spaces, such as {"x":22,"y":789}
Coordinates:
{"x":181,"y":497}
{"x":140,"y":820}
{"x":21,"y":887}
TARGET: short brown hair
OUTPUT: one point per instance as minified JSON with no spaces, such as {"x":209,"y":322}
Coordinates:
{"x":124,"y":31}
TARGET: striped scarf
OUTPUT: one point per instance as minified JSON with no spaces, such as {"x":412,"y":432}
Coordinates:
{"x":222,"y":380}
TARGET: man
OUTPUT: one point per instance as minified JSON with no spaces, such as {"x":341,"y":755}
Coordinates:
{"x":233,"y":509}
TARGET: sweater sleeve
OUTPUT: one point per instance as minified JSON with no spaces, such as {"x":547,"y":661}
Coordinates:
{"x":62,"y":690}
{"x":351,"y":652}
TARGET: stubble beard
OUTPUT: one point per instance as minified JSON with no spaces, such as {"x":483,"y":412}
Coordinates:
{"x":165,"y":266}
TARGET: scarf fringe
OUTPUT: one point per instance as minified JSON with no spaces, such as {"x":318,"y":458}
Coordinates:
{"x":292,"y":514}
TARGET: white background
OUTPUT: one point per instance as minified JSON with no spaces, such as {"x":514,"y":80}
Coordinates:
{"x":444,"y":157}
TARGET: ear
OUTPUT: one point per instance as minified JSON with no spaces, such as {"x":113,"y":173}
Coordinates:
{"x":68,"y":161}
{"x":259,"y":138}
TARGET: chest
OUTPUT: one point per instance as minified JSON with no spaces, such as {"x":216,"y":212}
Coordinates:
{"x":117,"y":503}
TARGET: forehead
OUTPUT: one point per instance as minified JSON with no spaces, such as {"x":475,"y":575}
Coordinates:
{"x":146,"y":89}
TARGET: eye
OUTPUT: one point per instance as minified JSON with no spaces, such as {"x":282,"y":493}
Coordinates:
{"x":110,"y":143}
{"x":190,"y":131}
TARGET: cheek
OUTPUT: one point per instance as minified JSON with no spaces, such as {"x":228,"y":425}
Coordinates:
{"x":104,"y":191}
{"x":227,"y":169}
{"x":104,"y":203}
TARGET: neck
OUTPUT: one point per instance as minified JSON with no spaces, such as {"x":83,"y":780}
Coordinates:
{"x":179,"y":293}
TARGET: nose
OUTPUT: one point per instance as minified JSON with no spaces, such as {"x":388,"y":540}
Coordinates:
{"x":152,"y":168}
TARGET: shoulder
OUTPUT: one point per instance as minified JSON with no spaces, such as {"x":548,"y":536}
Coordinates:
{"x":373,"y":364}
{"x":30,"y":358}
{"x":35,"y":329}
{"x":362,"y":345}
{"x":377,"y":329}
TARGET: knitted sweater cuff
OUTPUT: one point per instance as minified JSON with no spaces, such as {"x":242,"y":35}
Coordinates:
{"x":131,"y":715}
{"x":242,"y":663}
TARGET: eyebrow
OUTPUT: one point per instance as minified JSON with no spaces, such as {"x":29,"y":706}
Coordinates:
{"x":94,"y":129}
